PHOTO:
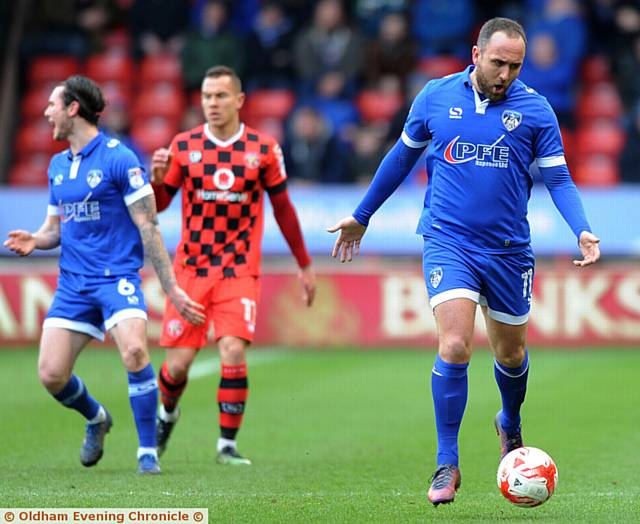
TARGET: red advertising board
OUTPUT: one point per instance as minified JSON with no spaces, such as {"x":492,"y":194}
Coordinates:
{"x":382,"y":307}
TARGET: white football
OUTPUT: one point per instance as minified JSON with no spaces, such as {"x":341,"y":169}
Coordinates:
{"x":527,"y":477}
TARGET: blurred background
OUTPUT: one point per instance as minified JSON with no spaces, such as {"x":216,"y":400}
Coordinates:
{"x":332,"y":81}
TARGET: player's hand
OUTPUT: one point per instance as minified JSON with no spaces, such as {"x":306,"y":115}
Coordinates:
{"x":307,"y":277}
{"x":590,"y":248}
{"x":348,"y":243}
{"x":191,"y":311}
{"x":160,"y":165}
{"x":21,"y":242}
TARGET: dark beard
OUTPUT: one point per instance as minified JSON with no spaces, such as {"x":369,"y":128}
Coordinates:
{"x":485,"y":87}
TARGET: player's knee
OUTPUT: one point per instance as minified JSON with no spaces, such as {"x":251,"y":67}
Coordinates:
{"x":135,"y":356}
{"x":455,"y":349}
{"x":51,"y":378}
{"x":232,"y":350}
{"x":511,"y":356}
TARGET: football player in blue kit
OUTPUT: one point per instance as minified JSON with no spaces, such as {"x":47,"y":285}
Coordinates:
{"x":483,"y":129}
{"x":102,"y":213}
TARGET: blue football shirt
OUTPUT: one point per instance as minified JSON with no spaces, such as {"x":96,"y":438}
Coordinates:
{"x":478,"y":160}
{"x":90,"y":193}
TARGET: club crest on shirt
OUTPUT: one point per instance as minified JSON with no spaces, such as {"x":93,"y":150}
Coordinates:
{"x":252,"y":160}
{"x":94,"y":177}
{"x":511,"y":119}
{"x":195,"y":156}
{"x":136,"y":180}
{"x":175,"y":328}
{"x":57,"y":180}
{"x":435,"y":277}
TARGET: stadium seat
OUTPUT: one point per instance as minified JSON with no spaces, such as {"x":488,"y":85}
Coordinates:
{"x":268,"y":103}
{"x":599,"y":101}
{"x":34,"y":103}
{"x":438,"y":66}
{"x":378,"y":106}
{"x":597,"y":171}
{"x":271,"y":126}
{"x":51,"y":69}
{"x":594,"y":69}
{"x":115,"y":65}
{"x":31,"y":171}
{"x":115,"y":92}
{"x":160,"y":100}
{"x":599,"y":137}
{"x":161,"y":68}
{"x":36,"y":137}
{"x":153,"y":133}
{"x":118,"y":40}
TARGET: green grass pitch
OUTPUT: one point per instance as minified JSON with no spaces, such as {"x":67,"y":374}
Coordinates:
{"x":335,"y":436}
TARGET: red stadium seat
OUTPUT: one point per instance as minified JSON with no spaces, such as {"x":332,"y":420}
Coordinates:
{"x":595,"y":69}
{"x":153,"y":133}
{"x":30,"y":172}
{"x":52,"y":69}
{"x":268,"y":103}
{"x":273,"y":127}
{"x":439,"y":66}
{"x":378,"y":106}
{"x":114,"y":65}
{"x":161,"y":68}
{"x":34,"y":103}
{"x":115,"y":92}
{"x":160,"y":100}
{"x":118,"y":40}
{"x":597,"y":171}
{"x":599,"y":101}
{"x":36,"y":137}
{"x":568,"y":141}
{"x":600,"y":137}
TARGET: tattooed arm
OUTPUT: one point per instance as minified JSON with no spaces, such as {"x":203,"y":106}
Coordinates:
{"x":144,"y":216}
{"x":47,"y":237}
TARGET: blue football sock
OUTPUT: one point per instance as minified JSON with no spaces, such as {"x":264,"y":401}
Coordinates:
{"x":512,"y":383}
{"x":143,"y":396}
{"x":449,"y":387}
{"x":75,"y":396}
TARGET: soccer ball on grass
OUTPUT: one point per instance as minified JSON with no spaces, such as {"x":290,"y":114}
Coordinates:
{"x":527,"y":477}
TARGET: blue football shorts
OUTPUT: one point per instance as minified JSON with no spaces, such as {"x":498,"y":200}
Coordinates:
{"x":93,"y":305}
{"x":503,"y":283}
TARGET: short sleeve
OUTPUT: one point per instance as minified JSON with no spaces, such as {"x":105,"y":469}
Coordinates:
{"x":52,"y":208}
{"x":416,"y":132}
{"x":274,"y":173}
{"x":173,"y":177}
{"x":548,"y":148}
{"x":130,"y":177}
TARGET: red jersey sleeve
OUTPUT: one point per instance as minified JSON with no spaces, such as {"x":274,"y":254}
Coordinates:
{"x":274,"y":174}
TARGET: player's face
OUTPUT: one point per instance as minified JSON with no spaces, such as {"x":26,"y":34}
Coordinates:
{"x":498,"y":64}
{"x":221,"y":102}
{"x":58,"y":115}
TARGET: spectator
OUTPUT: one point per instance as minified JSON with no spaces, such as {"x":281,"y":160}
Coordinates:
{"x":270,"y":49}
{"x":328,"y":45}
{"x":391,"y":52}
{"x":370,"y":13}
{"x":557,"y":43}
{"x":212,"y":43}
{"x":115,"y":122}
{"x":366,"y":153}
{"x":630,"y":158}
{"x":626,"y":56}
{"x":312,"y":152}
{"x":158,"y":26}
{"x":443,"y":27}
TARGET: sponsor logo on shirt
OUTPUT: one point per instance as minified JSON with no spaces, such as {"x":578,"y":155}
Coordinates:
{"x":113,"y":142}
{"x":455,"y":113}
{"x":85,"y":211}
{"x":225,"y":196}
{"x":224,"y":178}
{"x":94,"y":177}
{"x":484,"y":155}
{"x":136,"y":180}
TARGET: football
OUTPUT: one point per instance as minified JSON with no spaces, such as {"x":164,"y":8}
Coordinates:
{"x":527,"y":477}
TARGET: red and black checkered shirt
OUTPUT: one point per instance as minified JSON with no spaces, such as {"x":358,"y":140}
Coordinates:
{"x":223,"y":184}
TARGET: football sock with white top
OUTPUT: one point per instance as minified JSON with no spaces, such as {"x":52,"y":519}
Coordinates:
{"x":449,"y":388}
{"x":75,"y":395}
{"x":512,"y":383}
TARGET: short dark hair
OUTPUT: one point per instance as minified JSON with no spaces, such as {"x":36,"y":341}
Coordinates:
{"x":222,"y":70}
{"x":88,"y":95}
{"x":512,"y":29}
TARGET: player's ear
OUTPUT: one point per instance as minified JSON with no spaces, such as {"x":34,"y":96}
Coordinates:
{"x":73,"y":108}
{"x":475,"y":54}
{"x":240,"y":100}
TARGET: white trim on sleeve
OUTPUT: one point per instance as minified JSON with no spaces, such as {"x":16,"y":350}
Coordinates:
{"x":551,"y":161}
{"x":412,"y":143}
{"x":53,"y":211}
{"x":144,"y":191}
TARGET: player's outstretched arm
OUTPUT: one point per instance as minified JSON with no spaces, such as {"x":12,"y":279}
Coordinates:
{"x":348,"y":243}
{"x":47,"y":237}
{"x":144,"y":216}
{"x":307,"y":278}
{"x":590,"y":248}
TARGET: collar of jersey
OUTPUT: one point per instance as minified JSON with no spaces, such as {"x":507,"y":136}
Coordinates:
{"x":467,"y":82}
{"x":86,"y":150}
{"x":223,"y":143}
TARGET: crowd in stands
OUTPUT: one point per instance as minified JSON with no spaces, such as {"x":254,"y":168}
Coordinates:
{"x":331,"y":80}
